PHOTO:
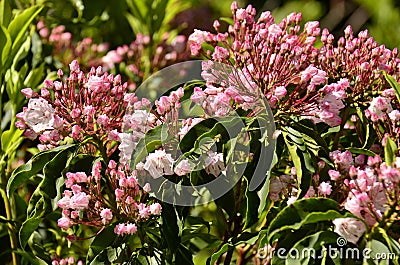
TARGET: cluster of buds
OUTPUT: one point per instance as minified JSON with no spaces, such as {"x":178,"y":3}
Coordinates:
{"x":65,"y":49}
{"x":78,"y":106}
{"x":133,"y":55}
{"x":275,"y":60}
{"x":84,"y":201}
{"x":372,"y":185}
{"x":359,"y":59}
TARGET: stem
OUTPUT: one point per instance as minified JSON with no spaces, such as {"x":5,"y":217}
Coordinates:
{"x":11,"y":232}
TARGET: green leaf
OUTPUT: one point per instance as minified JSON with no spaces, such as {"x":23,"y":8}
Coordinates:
{"x":170,"y":228}
{"x":390,"y":151}
{"x":20,"y":24}
{"x":5,"y":13}
{"x":5,"y":46}
{"x":378,"y":249}
{"x":301,"y":160}
{"x":393,"y":83}
{"x":27,"y":229}
{"x":150,"y":142}
{"x":305,"y":211}
{"x":11,"y":139}
{"x":307,"y":247}
{"x":360,"y":151}
{"x":30,"y":257}
{"x":21,"y":174}
{"x":103,"y":240}
{"x":214,"y":257}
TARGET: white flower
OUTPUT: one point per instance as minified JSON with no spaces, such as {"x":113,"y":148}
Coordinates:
{"x":183,"y":168}
{"x":159,"y":163}
{"x":214,"y":163}
{"x":349,"y":228}
{"x":126,"y":146}
{"x":39,"y":115}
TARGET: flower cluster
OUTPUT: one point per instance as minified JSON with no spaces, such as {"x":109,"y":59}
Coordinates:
{"x":85,"y":200}
{"x":371,"y":184}
{"x":275,"y":60}
{"x":77,"y":107}
{"x":281,"y":60}
{"x":133,"y":56}
{"x":66,"y":49}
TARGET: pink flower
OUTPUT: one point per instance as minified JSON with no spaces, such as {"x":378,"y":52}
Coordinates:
{"x":334,"y":175}
{"x":80,"y":201}
{"x":155,"y":208}
{"x":131,"y":228}
{"x":27,"y":92}
{"x":39,"y":115}
{"x":280,"y":92}
{"x":325,"y":188}
{"x":147,"y":188}
{"x":120,"y":229}
{"x":159,"y":163}
{"x":182,"y":168}
{"x":118,"y":194}
{"x":214,"y":163}
{"x":64,"y":222}
{"x":349,"y":228}
{"x":106,"y":215}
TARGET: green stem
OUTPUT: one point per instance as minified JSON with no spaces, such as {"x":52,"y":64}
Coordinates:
{"x":11,"y":230}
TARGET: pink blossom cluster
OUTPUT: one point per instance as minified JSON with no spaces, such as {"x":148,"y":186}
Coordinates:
{"x":133,"y":55}
{"x":76,"y":106}
{"x":66,"y":49}
{"x":360,"y":59}
{"x":273,"y":59}
{"x":371,"y":184}
{"x":282,"y":61}
{"x":86,"y":201}
{"x":286,"y":187}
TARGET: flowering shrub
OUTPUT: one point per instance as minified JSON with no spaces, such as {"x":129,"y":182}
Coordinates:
{"x":289,"y":142}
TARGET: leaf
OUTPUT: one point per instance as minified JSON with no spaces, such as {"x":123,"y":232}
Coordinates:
{"x":170,"y":228}
{"x":5,"y":13}
{"x":150,"y":142}
{"x":27,"y":229}
{"x":214,"y":257}
{"x":10,"y":139}
{"x":253,"y":202}
{"x":360,"y":151}
{"x":5,"y":46}
{"x":393,"y":83}
{"x":301,"y":160}
{"x":390,"y":151}
{"x":307,"y":247}
{"x":21,"y":174}
{"x":305,"y":211}
{"x":20,"y":24}
{"x":100,"y":242}
{"x":377,"y":250}
{"x":30,"y":257}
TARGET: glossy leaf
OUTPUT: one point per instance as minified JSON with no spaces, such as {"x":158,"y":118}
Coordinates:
{"x":21,"y":174}
{"x":390,"y":151}
{"x":305,"y":211}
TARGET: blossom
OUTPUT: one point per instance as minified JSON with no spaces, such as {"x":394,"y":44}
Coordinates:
{"x":325,"y":188}
{"x":155,"y":208}
{"x":64,"y":222}
{"x":349,"y":228}
{"x":39,"y":115}
{"x":214,"y":163}
{"x":183,"y":168}
{"x":106,"y":215}
{"x":159,"y":163}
